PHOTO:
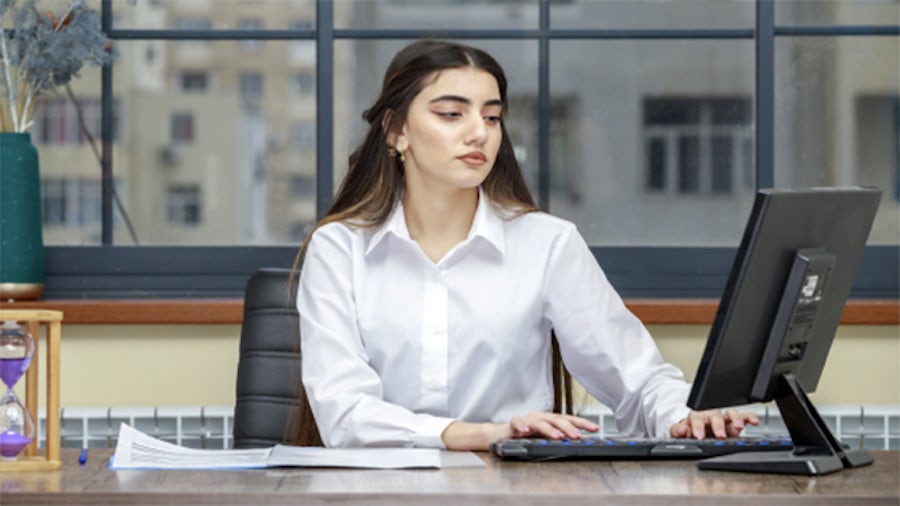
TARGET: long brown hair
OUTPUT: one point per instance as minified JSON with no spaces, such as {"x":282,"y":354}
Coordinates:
{"x":374,"y":182}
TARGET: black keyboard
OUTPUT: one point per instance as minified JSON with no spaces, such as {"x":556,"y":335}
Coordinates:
{"x":593,"y":447}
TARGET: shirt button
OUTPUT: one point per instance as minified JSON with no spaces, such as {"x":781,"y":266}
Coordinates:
{"x":436,"y":277}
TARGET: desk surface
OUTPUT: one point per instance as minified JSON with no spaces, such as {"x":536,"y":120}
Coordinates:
{"x":667,"y":483}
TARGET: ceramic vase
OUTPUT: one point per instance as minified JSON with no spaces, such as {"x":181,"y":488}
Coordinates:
{"x":21,"y":233}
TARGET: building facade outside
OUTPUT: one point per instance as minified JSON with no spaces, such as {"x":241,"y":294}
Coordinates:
{"x":651,"y":141}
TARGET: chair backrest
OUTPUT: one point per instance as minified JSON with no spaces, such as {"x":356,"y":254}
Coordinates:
{"x":268,"y":373}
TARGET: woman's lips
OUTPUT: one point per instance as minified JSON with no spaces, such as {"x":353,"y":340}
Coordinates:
{"x":474,"y":158}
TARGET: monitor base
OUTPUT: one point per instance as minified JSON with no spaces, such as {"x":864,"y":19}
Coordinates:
{"x":786,"y":462}
{"x":816,"y":450}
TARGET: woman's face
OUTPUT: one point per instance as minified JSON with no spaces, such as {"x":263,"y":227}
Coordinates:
{"x":452,"y":131}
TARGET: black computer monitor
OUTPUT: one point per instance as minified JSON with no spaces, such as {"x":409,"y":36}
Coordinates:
{"x":777,"y":318}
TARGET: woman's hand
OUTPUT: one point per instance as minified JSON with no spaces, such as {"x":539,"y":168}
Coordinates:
{"x":713,"y":423}
{"x":479,"y":436}
{"x":549,"y":426}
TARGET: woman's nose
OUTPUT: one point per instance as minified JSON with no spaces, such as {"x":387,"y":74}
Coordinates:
{"x":477,"y":131}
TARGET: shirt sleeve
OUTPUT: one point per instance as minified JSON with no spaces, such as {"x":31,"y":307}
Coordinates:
{"x":344,"y":391}
{"x":606,"y":348}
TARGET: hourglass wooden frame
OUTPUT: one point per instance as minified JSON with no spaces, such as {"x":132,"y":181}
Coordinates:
{"x":51,"y":321}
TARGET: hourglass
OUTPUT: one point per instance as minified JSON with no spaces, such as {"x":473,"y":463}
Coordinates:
{"x":16,"y":425}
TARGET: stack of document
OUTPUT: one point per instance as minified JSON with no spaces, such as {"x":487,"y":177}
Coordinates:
{"x":136,"y":450}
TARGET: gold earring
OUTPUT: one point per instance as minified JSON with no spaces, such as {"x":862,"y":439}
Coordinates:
{"x":397,"y":154}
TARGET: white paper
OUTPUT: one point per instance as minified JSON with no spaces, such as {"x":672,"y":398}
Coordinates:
{"x":136,"y":450}
{"x":375,"y":458}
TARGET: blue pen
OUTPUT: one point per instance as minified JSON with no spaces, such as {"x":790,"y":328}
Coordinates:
{"x":83,"y":457}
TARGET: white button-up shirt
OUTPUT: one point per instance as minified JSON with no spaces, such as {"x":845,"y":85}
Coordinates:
{"x":395,"y":346}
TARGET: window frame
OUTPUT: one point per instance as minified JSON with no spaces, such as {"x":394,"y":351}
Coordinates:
{"x":109,"y":271}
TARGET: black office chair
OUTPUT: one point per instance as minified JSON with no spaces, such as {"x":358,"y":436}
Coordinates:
{"x":267,"y":406}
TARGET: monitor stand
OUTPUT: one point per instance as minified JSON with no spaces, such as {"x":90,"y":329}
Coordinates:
{"x":816,"y":450}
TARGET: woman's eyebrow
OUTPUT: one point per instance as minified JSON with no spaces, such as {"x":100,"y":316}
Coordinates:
{"x":463,"y":100}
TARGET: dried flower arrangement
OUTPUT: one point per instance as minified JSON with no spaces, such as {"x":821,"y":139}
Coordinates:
{"x":40,"y":51}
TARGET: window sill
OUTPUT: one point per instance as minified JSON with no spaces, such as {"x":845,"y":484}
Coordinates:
{"x":231,"y":311}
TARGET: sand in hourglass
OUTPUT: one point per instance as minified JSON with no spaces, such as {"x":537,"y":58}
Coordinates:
{"x":11,"y":443}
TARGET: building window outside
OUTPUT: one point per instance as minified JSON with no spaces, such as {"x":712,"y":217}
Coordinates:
{"x":303,"y":187}
{"x":58,"y":123}
{"x":698,"y":145}
{"x":250,"y":44}
{"x":183,"y":205}
{"x":301,"y":50}
{"x":251,"y":84}
{"x":299,"y":230}
{"x":71,"y":202}
{"x":88,"y":201}
{"x":194,"y":81}
{"x":303,"y":136}
{"x":303,"y":83}
{"x":182,"y":128}
{"x":53,"y":201}
{"x":192,"y":24}
{"x":302,"y":24}
{"x":566,"y":181}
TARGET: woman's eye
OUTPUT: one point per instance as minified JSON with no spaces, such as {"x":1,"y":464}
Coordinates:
{"x":492,"y":120}
{"x":448,"y":114}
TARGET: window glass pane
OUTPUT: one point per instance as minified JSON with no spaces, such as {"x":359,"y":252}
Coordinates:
{"x":213,"y":14}
{"x":836,"y":119}
{"x":359,"y":70}
{"x":722,"y":163}
{"x":70,"y":170}
{"x":88,"y":198}
{"x":623,"y":14}
{"x":214,"y":166}
{"x":303,"y":83}
{"x":656,"y":163}
{"x":688,"y":164}
{"x":53,"y":201}
{"x":652,"y":141}
{"x":837,"y":12}
{"x":436,"y":14}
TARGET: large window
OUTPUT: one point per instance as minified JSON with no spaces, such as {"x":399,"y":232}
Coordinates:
{"x":698,"y":145}
{"x":648,"y":123}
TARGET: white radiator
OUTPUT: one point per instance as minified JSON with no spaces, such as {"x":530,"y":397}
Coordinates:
{"x":875,"y":427}
{"x":189,"y":426}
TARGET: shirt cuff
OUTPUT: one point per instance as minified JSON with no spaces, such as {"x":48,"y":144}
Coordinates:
{"x":429,"y":433}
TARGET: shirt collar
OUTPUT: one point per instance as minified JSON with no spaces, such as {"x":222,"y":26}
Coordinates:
{"x":487,"y":224}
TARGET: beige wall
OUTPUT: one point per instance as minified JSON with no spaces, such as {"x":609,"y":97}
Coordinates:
{"x":168,"y":365}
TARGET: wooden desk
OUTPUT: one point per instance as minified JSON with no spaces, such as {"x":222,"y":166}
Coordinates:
{"x":667,"y":483}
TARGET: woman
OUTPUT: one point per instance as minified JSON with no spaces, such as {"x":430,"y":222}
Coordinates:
{"x":430,"y":289}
